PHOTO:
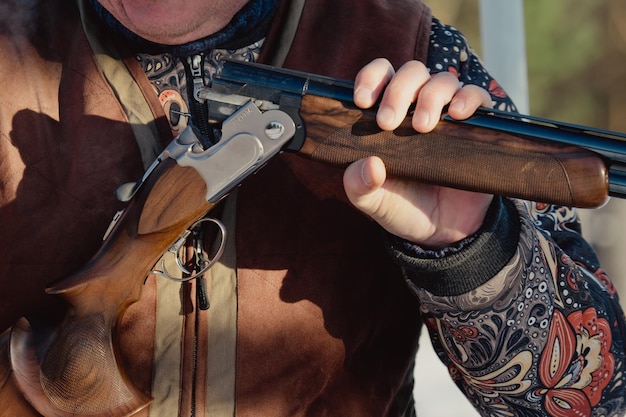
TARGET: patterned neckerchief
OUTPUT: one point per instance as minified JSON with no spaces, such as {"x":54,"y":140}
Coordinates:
{"x":172,"y":70}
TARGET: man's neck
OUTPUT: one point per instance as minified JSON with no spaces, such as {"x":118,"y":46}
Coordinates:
{"x":248,"y":26}
{"x":171,"y":22}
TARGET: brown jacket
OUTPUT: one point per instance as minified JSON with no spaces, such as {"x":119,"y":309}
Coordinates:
{"x":319,"y":319}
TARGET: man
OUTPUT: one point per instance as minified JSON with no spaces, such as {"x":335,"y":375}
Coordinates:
{"x":308,"y":314}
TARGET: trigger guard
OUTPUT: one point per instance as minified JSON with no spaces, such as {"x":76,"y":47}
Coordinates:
{"x":220,"y":251}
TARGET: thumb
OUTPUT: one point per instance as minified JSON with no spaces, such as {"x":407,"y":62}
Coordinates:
{"x":362,"y":182}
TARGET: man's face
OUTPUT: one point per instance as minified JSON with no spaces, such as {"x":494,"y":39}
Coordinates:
{"x":173,"y":22}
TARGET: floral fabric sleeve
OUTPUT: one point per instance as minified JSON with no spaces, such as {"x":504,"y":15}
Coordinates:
{"x":449,"y":51}
{"x":543,"y":337}
{"x":522,"y":315}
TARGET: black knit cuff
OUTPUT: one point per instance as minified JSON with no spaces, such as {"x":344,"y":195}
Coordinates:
{"x":473,"y":262}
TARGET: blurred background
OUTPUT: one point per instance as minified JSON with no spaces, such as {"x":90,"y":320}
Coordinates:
{"x":566,"y":61}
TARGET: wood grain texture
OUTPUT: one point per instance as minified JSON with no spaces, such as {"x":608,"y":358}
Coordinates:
{"x":72,"y":370}
{"x":457,"y":156}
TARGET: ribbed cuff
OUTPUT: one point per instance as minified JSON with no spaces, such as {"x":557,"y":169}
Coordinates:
{"x":467,"y":265}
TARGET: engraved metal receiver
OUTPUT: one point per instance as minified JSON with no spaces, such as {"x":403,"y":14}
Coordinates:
{"x":249,"y":138}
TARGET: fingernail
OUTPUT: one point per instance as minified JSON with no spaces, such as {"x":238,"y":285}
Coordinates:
{"x":364,"y":176}
{"x":386,"y":116}
{"x":458,"y":104}
{"x":421,"y":117}
{"x":363,"y":95}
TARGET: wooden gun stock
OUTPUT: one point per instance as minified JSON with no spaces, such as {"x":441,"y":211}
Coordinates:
{"x":457,"y":155}
{"x":74,"y":371}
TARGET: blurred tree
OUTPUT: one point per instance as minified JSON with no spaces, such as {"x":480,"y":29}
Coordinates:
{"x":616,"y":65}
{"x":565,"y":42}
{"x":569,"y":50}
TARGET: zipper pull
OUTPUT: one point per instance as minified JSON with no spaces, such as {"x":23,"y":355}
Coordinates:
{"x":201,"y":293}
{"x":202,"y":296}
{"x":195,"y":63}
{"x":197,"y":105}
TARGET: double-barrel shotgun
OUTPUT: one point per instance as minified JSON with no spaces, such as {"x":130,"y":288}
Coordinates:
{"x":72,"y":369}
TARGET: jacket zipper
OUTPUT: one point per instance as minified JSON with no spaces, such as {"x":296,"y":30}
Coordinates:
{"x":194,"y":66}
{"x":201,"y":304}
{"x":194,"y":69}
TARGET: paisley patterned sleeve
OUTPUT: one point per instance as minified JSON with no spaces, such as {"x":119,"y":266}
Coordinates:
{"x":526,"y":321}
{"x":450,"y":51}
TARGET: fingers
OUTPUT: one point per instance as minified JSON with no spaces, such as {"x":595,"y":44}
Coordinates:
{"x":371,"y":81}
{"x":467,"y":100}
{"x":364,"y":176}
{"x":412,"y":83}
{"x":424,"y":214}
{"x":401,"y":93}
{"x":363,"y":180}
{"x":433,"y":96}
{"x":399,"y":89}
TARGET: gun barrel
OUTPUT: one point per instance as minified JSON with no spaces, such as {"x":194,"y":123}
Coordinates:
{"x":611,"y":145}
{"x":271,"y":83}
{"x":617,"y":181}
